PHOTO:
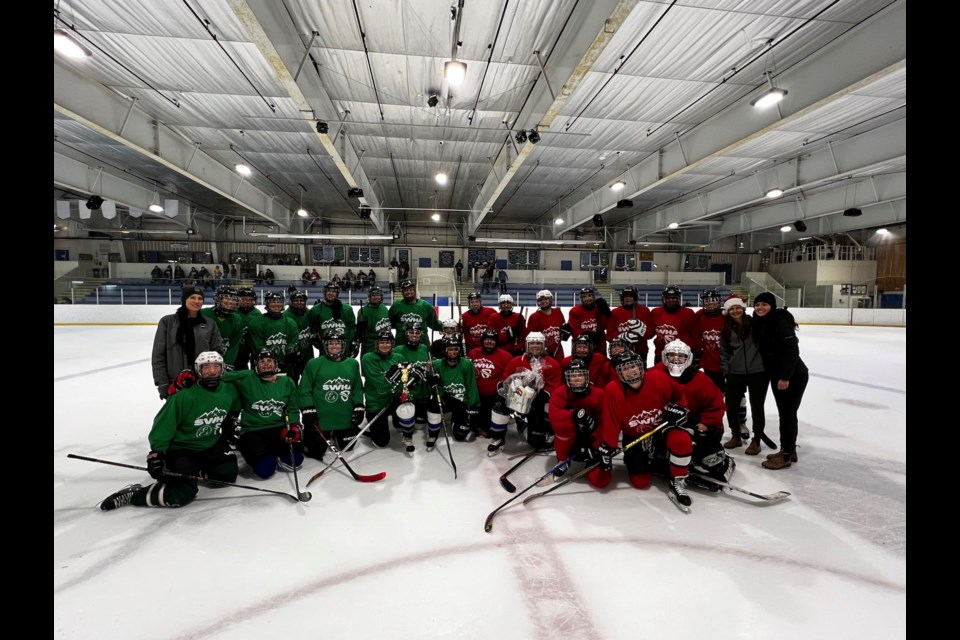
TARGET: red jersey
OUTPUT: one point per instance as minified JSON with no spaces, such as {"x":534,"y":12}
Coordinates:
{"x":702,"y":397}
{"x":618,"y":324}
{"x":583,"y":320}
{"x":709,"y":328}
{"x":681,"y":324}
{"x":636,"y":411}
{"x":549,"y":326}
{"x":549,"y":369}
{"x":563,"y":404}
{"x":599,"y":366}
{"x":489,"y":368}
{"x":474,"y":324}
{"x":517,"y":325}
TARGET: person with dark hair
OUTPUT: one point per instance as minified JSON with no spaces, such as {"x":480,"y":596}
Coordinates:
{"x":272,"y":330}
{"x":459,"y":269}
{"x":412,"y":310}
{"x":743,"y":369}
{"x":157,"y":274}
{"x":230,"y":325}
{"x":305,"y":277}
{"x":268,"y":277}
{"x":775,"y":331}
{"x":180,"y":337}
{"x":632,"y":322}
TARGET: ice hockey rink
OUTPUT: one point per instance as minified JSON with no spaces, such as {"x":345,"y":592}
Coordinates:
{"x":408,"y":557}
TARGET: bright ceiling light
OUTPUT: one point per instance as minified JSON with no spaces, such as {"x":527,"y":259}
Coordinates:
{"x":673,"y":225}
{"x":522,"y":241}
{"x":441,"y":178}
{"x":883,"y":231}
{"x":68,"y":45}
{"x":243,"y":169}
{"x":320,"y":236}
{"x":433,"y":239}
{"x":435,"y":217}
{"x":558,"y":221}
{"x":771,"y":97}
{"x":618,"y":185}
{"x":156,"y":208}
{"x":303,"y":213}
{"x":786,"y":228}
{"x":776,"y":192}
{"x":454,"y":71}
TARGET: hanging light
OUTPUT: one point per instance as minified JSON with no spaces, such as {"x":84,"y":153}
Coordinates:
{"x":435,"y":217}
{"x":776,"y":192}
{"x":785,"y":228}
{"x":433,"y":239}
{"x":454,"y":71}
{"x":559,"y":220}
{"x":618,"y":185}
{"x":303,"y":213}
{"x":673,"y":225}
{"x":243,"y":169}
{"x":67,"y":45}
{"x":772,"y":96}
{"x":441,"y":178}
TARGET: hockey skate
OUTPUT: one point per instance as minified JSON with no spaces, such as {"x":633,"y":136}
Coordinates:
{"x":495,"y":446}
{"x":678,"y":494}
{"x":432,"y":439}
{"x":407,"y":441}
{"x":120,"y":498}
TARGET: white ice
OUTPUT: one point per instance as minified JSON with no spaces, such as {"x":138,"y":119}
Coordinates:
{"x":408,"y":557}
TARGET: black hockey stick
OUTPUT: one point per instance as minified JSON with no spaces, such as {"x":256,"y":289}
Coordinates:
{"x":293,"y":463}
{"x":769,"y":497}
{"x":590,"y":468}
{"x":446,"y":436}
{"x":316,"y":476}
{"x":174,"y":474}
{"x":506,"y":484}
{"x":488,"y":525}
{"x":376,"y":477}
{"x":767,"y":441}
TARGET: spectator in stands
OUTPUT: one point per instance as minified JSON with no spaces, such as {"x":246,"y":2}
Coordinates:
{"x":194,"y":276}
{"x":305,"y":277}
{"x":459,"y":269}
{"x":361,"y":280}
{"x":156,"y":274}
{"x":258,"y":279}
{"x":178,"y":274}
{"x":217,"y":276}
{"x":297,"y":262}
{"x":502,"y":278}
{"x":168,"y":274}
{"x":392,"y":276}
{"x":394,"y":263}
{"x":373,"y":278}
{"x":403,"y":271}
{"x":180,"y":338}
{"x":233,"y":272}
{"x":314,"y":275}
{"x":204,"y":275}
{"x":268,"y":277}
{"x":348,"y":278}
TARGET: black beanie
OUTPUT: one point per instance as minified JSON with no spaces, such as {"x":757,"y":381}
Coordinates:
{"x":188,"y":291}
{"x":767,"y":297}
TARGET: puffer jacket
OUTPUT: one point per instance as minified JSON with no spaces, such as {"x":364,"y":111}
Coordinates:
{"x":169,"y":358}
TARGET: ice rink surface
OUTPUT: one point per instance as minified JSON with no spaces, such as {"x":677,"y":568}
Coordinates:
{"x":407,"y":557}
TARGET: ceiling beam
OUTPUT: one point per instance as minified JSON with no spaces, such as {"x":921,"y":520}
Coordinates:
{"x":569,"y":63}
{"x":868,"y":53}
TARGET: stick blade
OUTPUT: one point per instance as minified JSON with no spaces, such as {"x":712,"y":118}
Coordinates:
{"x":506,"y":484}
{"x":488,"y":525}
{"x":377,"y":477}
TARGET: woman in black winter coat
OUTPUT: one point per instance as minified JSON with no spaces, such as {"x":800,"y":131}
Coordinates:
{"x":775,"y":331}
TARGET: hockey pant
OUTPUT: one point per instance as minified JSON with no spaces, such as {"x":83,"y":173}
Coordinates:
{"x":460,"y":421}
{"x":217,"y":463}
{"x":667,"y":454}
{"x":261,"y":448}
{"x":379,"y":430}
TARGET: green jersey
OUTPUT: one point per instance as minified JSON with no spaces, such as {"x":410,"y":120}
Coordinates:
{"x":459,"y":382}
{"x":264,"y":404}
{"x":334,"y":389}
{"x":304,"y":347}
{"x":190,"y":419}
{"x":231,"y":332}
{"x":280,"y":334}
{"x":325,"y":318}
{"x":403,"y":314}
{"x":372,"y":320}
{"x":377,"y":390}
{"x":421,"y":355}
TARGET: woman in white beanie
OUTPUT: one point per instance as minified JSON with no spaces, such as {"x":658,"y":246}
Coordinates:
{"x":742,"y":364}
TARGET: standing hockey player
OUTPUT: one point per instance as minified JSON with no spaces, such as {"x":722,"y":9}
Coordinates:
{"x":512,"y":327}
{"x":489,"y":363}
{"x":673,"y":320}
{"x":476,"y":320}
{"x":332,"y":316}
{"x":583,"y":350}
{"x":632,"y":322}
{"x":303,"y":353}
{"x":411,"y":310}
{"x":247,"y":311}
{"x":550,"y":323}
{"x":225,"y":303}
{"x":274,"y":331}
{"x":185,"y":439}
{"x":331,"y":397}
{"x":590,"y":318}
{"x":378,"y":390}
{"x":372,"y":319}
{"x":576,"y":410}
{"x":455,"y":380}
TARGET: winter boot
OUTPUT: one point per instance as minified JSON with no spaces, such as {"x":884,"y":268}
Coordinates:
{"x":733,"y":442}
{"x":754,"y":447}
{"x":793,"y":456}
{"x":678,"y":486}
{"x":780,"y":460}
{"x":120,"y":498}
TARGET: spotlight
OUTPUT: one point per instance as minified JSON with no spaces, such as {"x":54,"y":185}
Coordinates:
{"x":454,"y":71}
{"x":772,"y":96}
{"x":435,"y":217}
{"x":800,"y":225}
{"x":776,"y":192}
{"x":243,"y":169}
{"x":521,"y":137}
{"x":355,"y":192}
{"x":322,"y":127}
{"x":433,"y":100}
{"x":534,"y":137}
{"x":598,"y":220}
{"x":441,"y":178}
{"x":94,"y":203}
{"x":853,"y":213}
{"x":618,"y":185}
{"x":624,"y":204}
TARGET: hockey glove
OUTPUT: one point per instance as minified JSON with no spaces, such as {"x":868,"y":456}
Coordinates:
{"x":309,"y":417}
{"x":675,"y":415}
{"x":605,"y":452}
{"x":565,"y":332}
{"x":417,"y":375}
{"x":433,"y":380}
{"x":603,"y":308}
{"x":155,"y":464}
{"x":393,"y":373}
{"x":355,"y":348}
{"x":185,"y":379}
{"x":584,"y":422}
{"x":163,"y":390}
{"x":292,"y":433}
{"x":358,"y":415}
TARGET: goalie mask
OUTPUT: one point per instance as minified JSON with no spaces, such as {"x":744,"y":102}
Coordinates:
{"x":266,"y":363}
{"x":577,"y":377}
{"x":677,"y":356}
{"x":209,"y":369}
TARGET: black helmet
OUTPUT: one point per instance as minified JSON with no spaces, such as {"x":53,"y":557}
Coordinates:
{"x":273,"y":296}
{"x":629,"y":291}
{"x":332,"y":338}
{"x":262,"y":355}
{"x":672,"y":290}
{"x":452,"y":343}
{"x":374,"y":291}
{"x":473,"y":296}
{"x":489,"y":334}
{"x":579,"y":381}
{"x":385,"y":336}
{"x":624,"y":363}
{"x":407,"y":283}
{"x":222,"y":301}
{"x":331,"y":286}
{"x":582,"y":339}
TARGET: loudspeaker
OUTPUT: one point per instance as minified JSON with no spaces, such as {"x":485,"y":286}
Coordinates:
{"x":624,"y":204}
{"x":598,"y":220}
{"x":364,"y":213}
{"x":355,"y":193}
{"x":94,"y":203}
{"x":322,"y":127}
{"x":800,"y":225}
{"x":471,"y":238}
{"x":853,"y":213}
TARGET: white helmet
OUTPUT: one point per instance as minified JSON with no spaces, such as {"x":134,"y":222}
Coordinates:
{"x":534,"y":337}
{"x":544,"y":293}
{"x":505,"y":298}
{"x":677,"y":356}
{"x":208,"y":357}
{"x":450,"y":323}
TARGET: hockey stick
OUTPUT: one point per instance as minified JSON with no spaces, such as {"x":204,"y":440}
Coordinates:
{"x":377,"y":477}
{"x":767,"y":441}
{"x":542,"y":452}
{"x":293,"y":463}
{"x":174,"y":474}
{"x":350,"y":446}
{"x":488,"y":525}
{"x":769,"y":497}
{"x":506,"y":484}
{"x":446,"y":436}
{"x":590,"y":468}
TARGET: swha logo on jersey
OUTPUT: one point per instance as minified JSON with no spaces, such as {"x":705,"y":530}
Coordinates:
{"x":335,"y":388}
{"x":268,"y":407}
{"x":208,"y":423}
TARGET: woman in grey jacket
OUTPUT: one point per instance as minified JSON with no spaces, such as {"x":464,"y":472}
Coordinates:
{"x":180,"y":337}
{"x":742,"y":365}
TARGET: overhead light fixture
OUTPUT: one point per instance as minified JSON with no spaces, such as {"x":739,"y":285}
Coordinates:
{"x":772,"y":96}
{"x":94,"y":203}
{"x":303,"y":213}
{"x":365,"y":212}
{"x":776,"y":192}
{"x":435,"y":217}
{"x":454,"y":71}
{"x":320,"y":236}
{"x":853,"y":213}
{"x":243,"y":169}
{"x":558,"y":221}
{"x":883,"y":231}
{"x":355,"y":192}
{"x":521,"y":241}
{"x":322,"y":127}
{"x":68,"y":45}
{"x":534,"y":137}
{"x":521,"y":137}
{"x":618,"y":185}
{"x":433,"y":239}
{"x":433,"y":100}
{"x":156,"y":208}
{"x":785,"y":228}
{"x":673,"y":225}
{"x":598,"y":220}
{"x":441,"y":178}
